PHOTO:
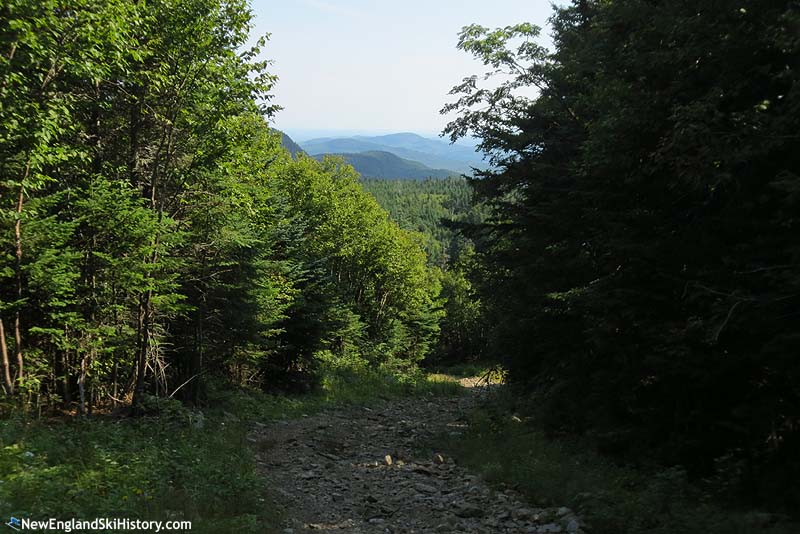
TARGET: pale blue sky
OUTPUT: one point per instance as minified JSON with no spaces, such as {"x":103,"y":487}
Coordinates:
{"x":369,"y":65}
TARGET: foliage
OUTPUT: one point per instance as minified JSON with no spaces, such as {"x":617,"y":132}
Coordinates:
{"x":437,"y":209}
{"x":154,"y":232}
{"x":167,"y":466}
{"x":429,"y":207}
{"x":610,"y":498}
{"x":640,"y":266}
{"x":177,"y":463}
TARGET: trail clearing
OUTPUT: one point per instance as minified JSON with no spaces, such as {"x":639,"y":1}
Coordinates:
{"x":374,"y":470}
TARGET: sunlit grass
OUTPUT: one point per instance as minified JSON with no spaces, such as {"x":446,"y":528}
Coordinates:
{"x":353,"y":381}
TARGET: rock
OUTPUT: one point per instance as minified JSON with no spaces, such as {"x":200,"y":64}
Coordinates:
{"x":561,"y":512}
{"x":525,"y":514}
{"x":423,"y":470}
{"x":372,"y":475}
{"x":425,"y":488}
{"x":469,"y":510}
{"x":550,"y":528}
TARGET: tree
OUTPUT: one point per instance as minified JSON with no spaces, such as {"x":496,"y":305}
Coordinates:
{"x":643,"y":269}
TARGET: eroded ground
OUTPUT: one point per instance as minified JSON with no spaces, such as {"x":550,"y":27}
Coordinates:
{"x":371,"y":470}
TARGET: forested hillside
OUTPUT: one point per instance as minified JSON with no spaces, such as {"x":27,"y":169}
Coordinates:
{"x":380,"y":164}
{"x":289,"y":144}
{"x":431,"y":207}
{"x":156,"y":235}
{"x":436,"y":210}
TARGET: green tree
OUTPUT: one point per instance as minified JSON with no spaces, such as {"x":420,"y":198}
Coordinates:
{"x":641,"y":258}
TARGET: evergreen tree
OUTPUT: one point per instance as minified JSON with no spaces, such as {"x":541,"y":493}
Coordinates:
{"x":641,"y":258}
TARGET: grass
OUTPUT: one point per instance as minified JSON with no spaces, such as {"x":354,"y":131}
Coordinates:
{"x":612,"y":498}
{"x":355,"y":381}
{"x":466,"y":369}
{"x":177,"y":464}
{"x":169,"y":467}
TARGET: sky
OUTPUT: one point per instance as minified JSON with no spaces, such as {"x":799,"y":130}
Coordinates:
{"x":372,"y":66}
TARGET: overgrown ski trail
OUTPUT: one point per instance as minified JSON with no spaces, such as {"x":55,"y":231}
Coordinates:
{"x":372,"y":470}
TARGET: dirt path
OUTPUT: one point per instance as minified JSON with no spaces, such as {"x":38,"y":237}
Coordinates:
{"x":366,"y":470}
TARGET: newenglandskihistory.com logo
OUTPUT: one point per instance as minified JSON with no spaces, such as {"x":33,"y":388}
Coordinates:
{"x":97,"y":524}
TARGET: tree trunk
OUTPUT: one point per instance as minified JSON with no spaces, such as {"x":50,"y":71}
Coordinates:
{"x":18,"y":274}
{"x":8,"y":384}
{"x":142,"y":343}
{"x":82,"y":386}
{"x":115,"y":384}
{"x":65,"y":385}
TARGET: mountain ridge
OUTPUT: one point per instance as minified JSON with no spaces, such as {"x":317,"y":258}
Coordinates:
{"x":433,"y":153}
{"x":385,"y":165}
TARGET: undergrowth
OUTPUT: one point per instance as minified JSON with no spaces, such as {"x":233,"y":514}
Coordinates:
{"x":176,"y":463}
{"x":612,"y":498}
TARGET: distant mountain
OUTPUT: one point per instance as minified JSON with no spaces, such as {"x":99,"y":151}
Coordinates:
{"x":418,"y":143}
{"x":434,"y":153}
{"x":290,"y":145}
{"x":379,"y":164}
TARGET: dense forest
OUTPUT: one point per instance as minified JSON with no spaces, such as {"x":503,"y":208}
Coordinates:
{"x":641,"y":262}
{"x":436,"y":209}
{"x":629,"y":255}
{"x":155,"y":232}
{"x":432,"y":207}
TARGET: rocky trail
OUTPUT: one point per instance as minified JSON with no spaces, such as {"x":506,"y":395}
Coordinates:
{"x":372,"y":470}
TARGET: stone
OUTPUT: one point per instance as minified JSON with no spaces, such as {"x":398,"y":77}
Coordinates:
{"x":377,"y":475}
{"x":522,"y":514}
{"x":469,"y":510}
{"x":550,"y":528}
{"x":425,"y":488}
{"x":422,"y":470}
